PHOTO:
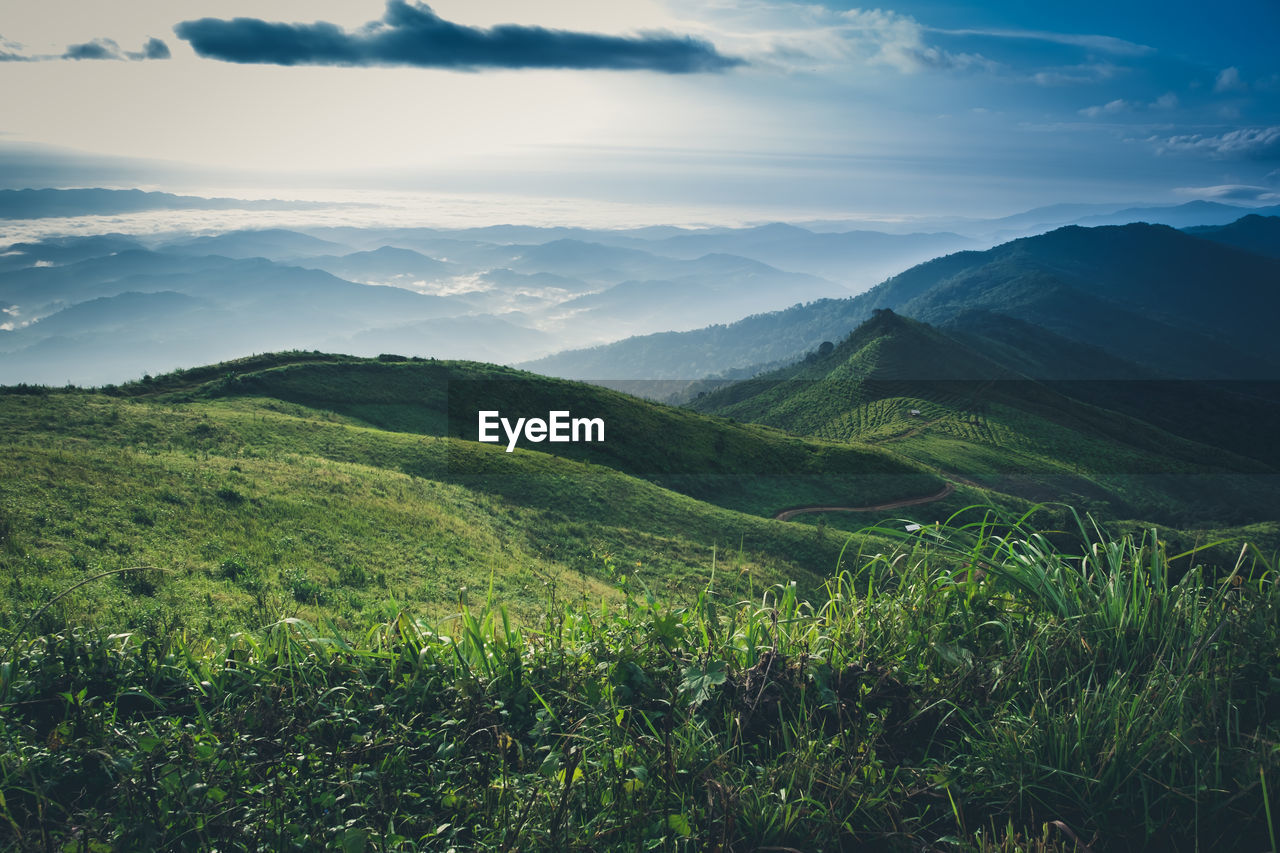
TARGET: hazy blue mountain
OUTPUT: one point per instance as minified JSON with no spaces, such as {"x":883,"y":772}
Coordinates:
{"x":1056,"y":215}
{"x":388,"y":264}
{"x":1185,"y":215}
{"x":41,"y":290}
{"x":770,"y":338}
{"x":257,"y":285}
{"x":1041,"y":219}
{"x":603,"y":266}
{"x":277,"y":244}
{"x":41,"y":203}
{"x":1075,"y":280}
{"x":1254,"y":233}
{"x":857,"y":258}
{"x":109,"y":314}
{"x":64,"y":250}
{"x":725,"y":288}
{"x":475,"y":255}
{"x":540,"y":281}
{"x":591,"y":262}
{"x":104,"y":340}
{"x":475,"y":337}
{"x":498,"y":235}
{"x":113,"y":318}
{"x":1152,"y":295}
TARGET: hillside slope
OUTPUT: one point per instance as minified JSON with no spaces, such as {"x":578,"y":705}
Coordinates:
{"x":906,"y":386}
{"x":742,"y":467}
{"x":1168,"y":301}
{"x":254,"y":507}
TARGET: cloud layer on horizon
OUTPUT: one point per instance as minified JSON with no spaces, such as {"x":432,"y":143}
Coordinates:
{"x":412,"y":34}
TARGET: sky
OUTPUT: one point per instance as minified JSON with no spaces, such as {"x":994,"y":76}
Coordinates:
{"x":913,"y":108}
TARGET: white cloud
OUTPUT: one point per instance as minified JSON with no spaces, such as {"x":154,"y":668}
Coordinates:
{"x":1089,"y":72}
{"x":1110,"y":108}
{"x":798,"y":36}
{"x":895,"y":40}
{"x":1104,"y":44}
{"x":1252,"y":143}
{"x":1229,"y":81}
{"x":1167,"y":101}
{"x":1230,"y":192}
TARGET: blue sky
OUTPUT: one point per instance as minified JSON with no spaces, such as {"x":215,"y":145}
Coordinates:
{"x":914,"y":108}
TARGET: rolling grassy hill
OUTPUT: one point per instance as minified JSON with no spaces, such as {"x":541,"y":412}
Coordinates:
{"x":742,"y":467}
{"x":323,"y":485}
{"x":904,"y":385}
{"x":677,"y":672}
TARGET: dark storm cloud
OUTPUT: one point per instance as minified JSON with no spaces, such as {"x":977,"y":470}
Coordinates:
{"x":412,"y":34}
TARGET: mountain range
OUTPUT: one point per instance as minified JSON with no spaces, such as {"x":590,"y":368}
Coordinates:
{"x":512,"y":293}
{"x":1183,"y":305}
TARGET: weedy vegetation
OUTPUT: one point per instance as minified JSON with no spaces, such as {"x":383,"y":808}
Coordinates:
{"x":973,"y":685}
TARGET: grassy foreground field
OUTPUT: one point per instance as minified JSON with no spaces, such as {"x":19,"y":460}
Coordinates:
{"x":254,"y":509}
{"x":974,"y":688}
{"x":269,"y":606}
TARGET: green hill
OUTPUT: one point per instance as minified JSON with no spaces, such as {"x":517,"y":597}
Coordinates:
{"x":738,"y":466}
{"x":1232,"y":415}
{"x":908,"y":387}
{"x":450,"y":646}
{"x":323,"y":485}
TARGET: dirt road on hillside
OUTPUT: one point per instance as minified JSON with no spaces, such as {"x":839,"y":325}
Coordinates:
{"x":788,"y":514}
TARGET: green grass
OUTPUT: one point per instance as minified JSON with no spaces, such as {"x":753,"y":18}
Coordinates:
{"x":744,"y":467}
{"x":974,"y":687}
{"x":259,"y":509}
{"x":980,"y":423}
{"x":271,"y":606}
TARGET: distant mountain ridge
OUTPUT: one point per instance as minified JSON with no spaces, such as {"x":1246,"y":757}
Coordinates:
{"x":1166,"y":300}
{"x":43,"y":203}
{"x":1253,"y":233}
{"x":1191,"y":304}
